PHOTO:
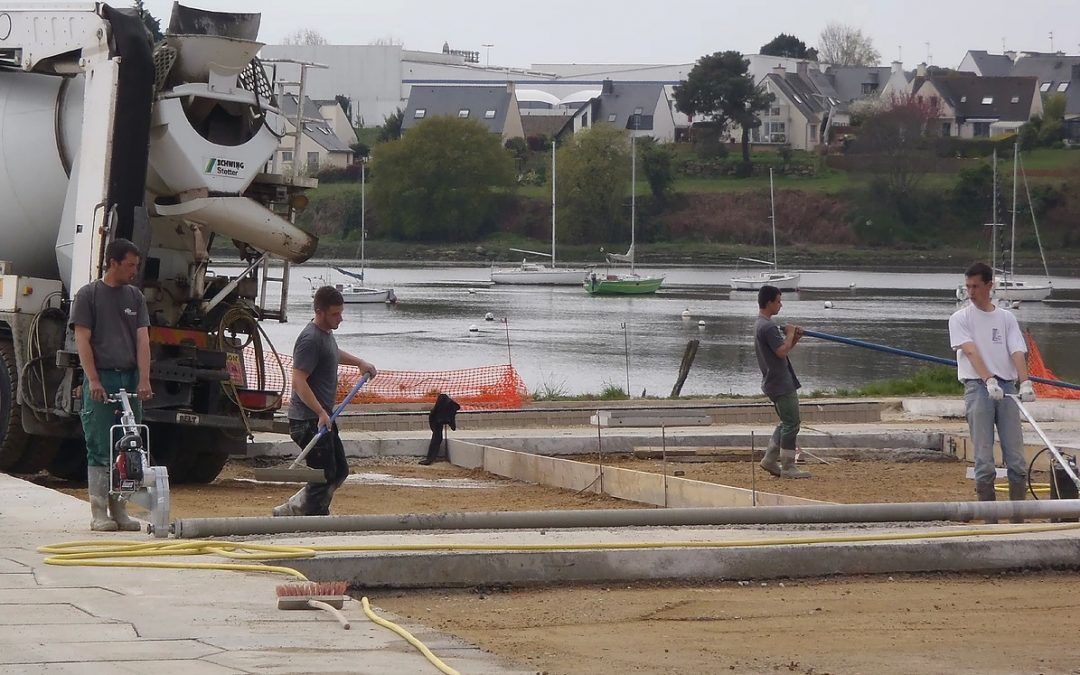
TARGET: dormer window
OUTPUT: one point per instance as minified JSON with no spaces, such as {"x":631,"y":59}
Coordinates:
{"x":963,"y":99}
{"x":419,"y":113}
{"x":1014,"y":99}
{"x":463,"y":113}
{"x":987,"y":100}
{"x":638,"y":111}
{"x":1045,"y":86}
{"x":1062,"y":87}
{"x":489,"y":114}
{"x":612,"y":117}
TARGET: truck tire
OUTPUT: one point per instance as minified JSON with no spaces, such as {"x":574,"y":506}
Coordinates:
{"x":69,"y":463}
{"x":215,"y":448}
{"x":13,"y":439}
{"x":39,"y":454}
{"x":175,"y":448}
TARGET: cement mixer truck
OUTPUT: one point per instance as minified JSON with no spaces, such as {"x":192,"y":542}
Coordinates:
{"x":104,"y":134}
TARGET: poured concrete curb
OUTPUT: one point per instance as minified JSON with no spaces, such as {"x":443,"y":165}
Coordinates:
{"x":464,"y":569}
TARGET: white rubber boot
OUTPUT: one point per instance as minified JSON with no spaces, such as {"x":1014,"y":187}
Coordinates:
{"x":770,"y":461}
{"x":788,"y":468}
{"x":118,"y":511}
{"x":97,"y":486}
{"x":294,"y":506}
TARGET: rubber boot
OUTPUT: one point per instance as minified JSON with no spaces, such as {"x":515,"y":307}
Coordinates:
{"x":118,"y":511}
{"x":770,"y":461}
{"x":97,"y":486}
{"x":788,"y":468}
{"x":1017,"y":493}
{"x":985,"y":492}
{"x":294,"y":506}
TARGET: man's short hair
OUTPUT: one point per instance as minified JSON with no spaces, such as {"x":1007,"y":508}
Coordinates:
{"x":980,"y":270}
{"x":119,"y":249}
{"x":767,"y":294}
{"x":327,"y":297}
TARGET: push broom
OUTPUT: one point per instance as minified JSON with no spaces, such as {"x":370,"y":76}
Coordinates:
{"x":304,"y":474}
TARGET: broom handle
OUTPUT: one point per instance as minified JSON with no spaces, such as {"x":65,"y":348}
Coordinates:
{"x":333,"y":416}
{"x":318,"y":604}
{"x":917,"y":355}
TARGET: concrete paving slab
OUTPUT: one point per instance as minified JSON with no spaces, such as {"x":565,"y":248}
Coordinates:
{"x":122,"y":668}
{"x":8,"y":566}
{"x":15,"y":615}
{"x":49,"y":651}
{"x":74,"y":633}
{"x":17,"y":581}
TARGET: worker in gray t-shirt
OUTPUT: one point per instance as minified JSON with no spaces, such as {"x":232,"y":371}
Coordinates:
{"x":773,"y":343}
{"x":112,"y":335}
{"x":314,"y":383}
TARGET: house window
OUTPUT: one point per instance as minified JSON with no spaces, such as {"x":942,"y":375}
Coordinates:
{"x":946,"y":129}
{"x":639,"y":111}
{"x":286,"y":155}
{"x":419,"y":114}
{"x":981,"y":129}
{"x":1045,"y":87}
{"x":776,"y":132}
{"x":869,"y":87}
{"x":313,"y":162}
{"x":774,"y":111}
{"x":987,"y":100}
{"x":463,"y":113}
{"x":1014,"y":99}
{"x":611,"y":117}
{"x":1062,"y":87}
{"x":963,"y":99}
{"x":489,"y":114}
{"x":584,"y":119}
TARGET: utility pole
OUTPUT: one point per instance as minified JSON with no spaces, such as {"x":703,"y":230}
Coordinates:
{"x":299,"y":119}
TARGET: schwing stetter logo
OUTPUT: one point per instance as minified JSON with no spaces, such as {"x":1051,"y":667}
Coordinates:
{"x":230,"y":168}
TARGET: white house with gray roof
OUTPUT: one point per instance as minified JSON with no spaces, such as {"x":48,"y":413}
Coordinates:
{"x":321,"y":145}
{"x":494,"y":107}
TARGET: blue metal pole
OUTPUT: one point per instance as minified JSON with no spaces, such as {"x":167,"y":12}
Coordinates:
{"x":917,"y":355}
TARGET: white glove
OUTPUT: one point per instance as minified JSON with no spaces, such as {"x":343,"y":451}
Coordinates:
{"x":994,"y":389}
{"x":1027,"y":391}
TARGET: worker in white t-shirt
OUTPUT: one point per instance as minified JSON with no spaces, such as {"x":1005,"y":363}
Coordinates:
{"x":991,"y":362}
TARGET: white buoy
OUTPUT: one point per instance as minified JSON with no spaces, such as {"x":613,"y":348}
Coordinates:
{"x":700,"y":324}
{"x":473,"y":329}
{"x":1016,"y":304}
{"x":828,"y":304}
{"x":472,"y":290}
{"x":686,"y":313}
{"x":851,"y":285}
{"x":489,"y":317}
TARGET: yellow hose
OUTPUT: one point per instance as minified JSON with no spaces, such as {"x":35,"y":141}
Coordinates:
{"x":103,"y":553}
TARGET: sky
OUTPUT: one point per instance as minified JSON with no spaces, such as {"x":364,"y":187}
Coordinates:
{"x":563,"y":31}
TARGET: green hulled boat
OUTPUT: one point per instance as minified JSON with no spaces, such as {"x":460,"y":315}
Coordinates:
{"x":624,"y":284}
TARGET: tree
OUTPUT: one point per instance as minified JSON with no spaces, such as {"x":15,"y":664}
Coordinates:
{"x":152,"y":24}
{"x":789,"y":46}
{"x":441,"y":181}
{"x":720,"y":86}
{"x":657,"y":160}
{"x":591,"y":186}
{"x":391,"y":128}
{"x":305,"y":37}
{"x":843,"y":45}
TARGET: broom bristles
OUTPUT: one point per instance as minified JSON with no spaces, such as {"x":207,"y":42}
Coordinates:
{"x":312,"y":588}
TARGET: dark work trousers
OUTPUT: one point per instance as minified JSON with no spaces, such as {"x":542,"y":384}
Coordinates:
{"x":328,"y":455}
{"x":443,"y":413}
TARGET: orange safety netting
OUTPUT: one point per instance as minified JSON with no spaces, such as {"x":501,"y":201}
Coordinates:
{"x":1037,"y":368}
{"x":488,"y":387}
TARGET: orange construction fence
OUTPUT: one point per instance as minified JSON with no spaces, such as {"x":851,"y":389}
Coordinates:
{"x":484,"y":388}
{"x":1037,"y":368}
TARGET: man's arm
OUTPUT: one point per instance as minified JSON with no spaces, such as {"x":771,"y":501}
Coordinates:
{"x":792,"y":333}
{"x":972,"y":354}
{"x":350,"y":360}
{"x":86,"y":360}
{"x":301,"y":388}
{"x":1019,"y":360}
{"x":142,"y":357}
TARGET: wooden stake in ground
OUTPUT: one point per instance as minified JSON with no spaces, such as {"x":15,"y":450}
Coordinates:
{"x":684,"y":367}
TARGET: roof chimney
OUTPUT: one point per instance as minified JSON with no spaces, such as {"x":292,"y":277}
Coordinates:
{"x":802,"y":67}
{"x":510,"y":88}
{"x":1011,"y":55}
{"x":897,"y":66}
{"x":608,"y":87}
{"x":779,"y":70}
{"x":920,"y":70}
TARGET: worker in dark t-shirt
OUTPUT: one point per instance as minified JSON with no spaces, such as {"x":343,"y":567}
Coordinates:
{"x":314,"y":383}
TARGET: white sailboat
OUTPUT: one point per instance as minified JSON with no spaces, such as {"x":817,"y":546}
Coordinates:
{"x":354,"y":292}
{"x":1007,"y":288}
{"x":785,"y":281}
{"x":537,"y":274}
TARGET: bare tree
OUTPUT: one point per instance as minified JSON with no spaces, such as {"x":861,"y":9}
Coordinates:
{"x":846,"y":46}
{"x":304,"y":36}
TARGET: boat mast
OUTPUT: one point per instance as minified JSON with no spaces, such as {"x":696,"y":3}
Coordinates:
{"x":363,"y":210}
{"x":633,"y":193}
{"x":1012,"y":245}
{"x":772,"y":204}
{"x":993,"y":221}
{"x":552,"y":203}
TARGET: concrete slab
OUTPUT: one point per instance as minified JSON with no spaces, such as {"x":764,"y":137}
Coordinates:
{"x":122,"y":668}
{"x":104,"y":650}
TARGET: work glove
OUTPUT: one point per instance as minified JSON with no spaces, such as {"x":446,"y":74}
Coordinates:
{"x":993,"y":389}
{"x":1027,"y":391}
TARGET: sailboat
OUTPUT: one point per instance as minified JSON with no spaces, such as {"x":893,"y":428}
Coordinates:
{"x":354,"y":292}
{"x":1008,"y":289}
{"x":785,"y":281}
{"x":632,"y":283}
{"x":537,"y":274}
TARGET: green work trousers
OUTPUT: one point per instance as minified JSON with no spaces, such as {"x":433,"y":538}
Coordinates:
{"x":99,"y":417}
{"x":786,"y":433}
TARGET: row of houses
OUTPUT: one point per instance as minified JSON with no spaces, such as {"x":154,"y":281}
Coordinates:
{"x":987,"y":95}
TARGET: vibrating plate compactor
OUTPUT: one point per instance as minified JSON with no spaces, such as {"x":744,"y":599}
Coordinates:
{"x":132,"y":478}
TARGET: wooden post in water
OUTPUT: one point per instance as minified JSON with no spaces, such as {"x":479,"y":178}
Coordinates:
{"x":684,"y":367}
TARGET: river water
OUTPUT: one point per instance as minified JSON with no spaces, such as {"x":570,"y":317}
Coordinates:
{"x":563,"y":340}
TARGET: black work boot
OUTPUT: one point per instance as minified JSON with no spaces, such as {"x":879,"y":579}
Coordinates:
{"x":1017,"y":493}
{"x":985,"y":492}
